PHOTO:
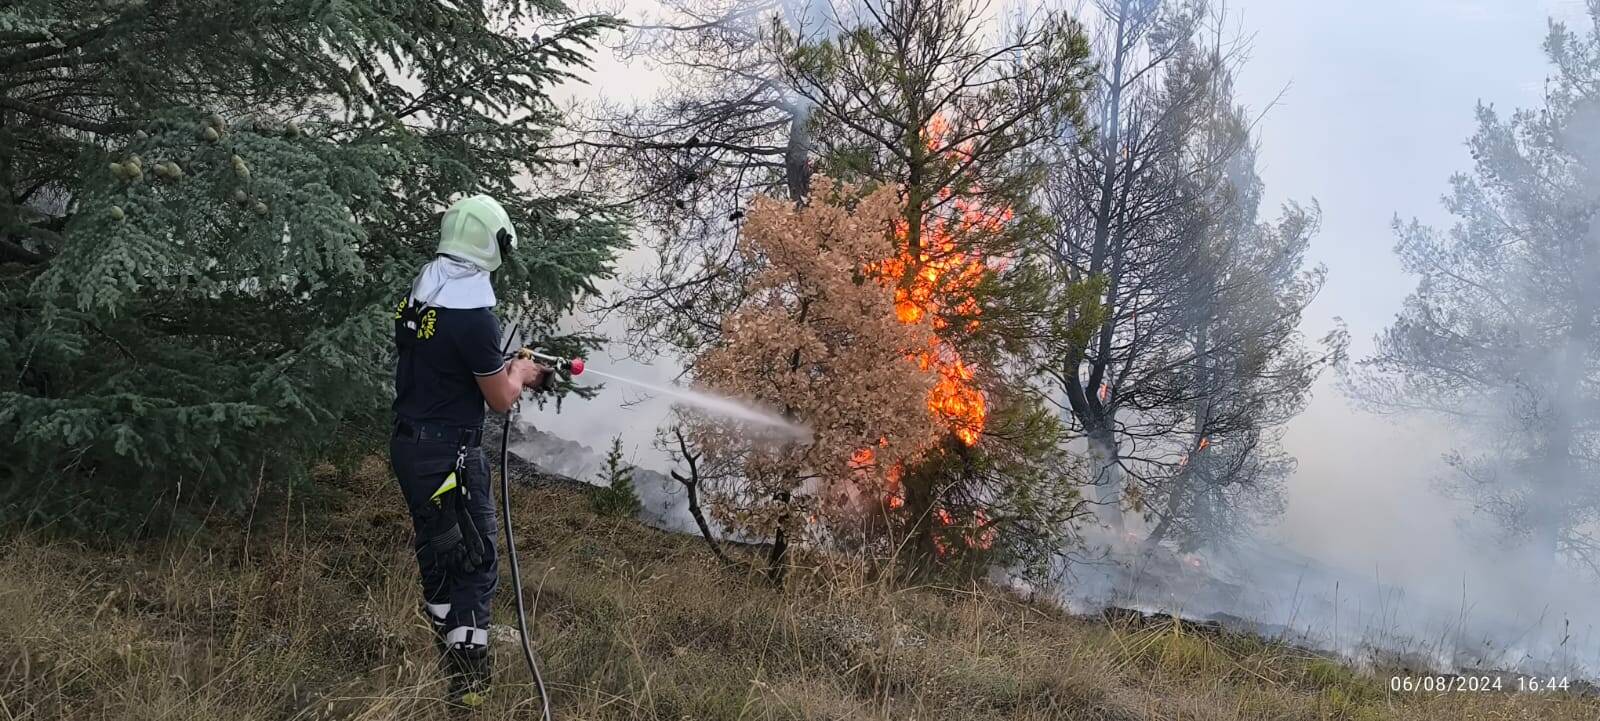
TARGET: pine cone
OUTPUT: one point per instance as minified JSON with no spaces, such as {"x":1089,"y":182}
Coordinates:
{"x":261,"y":209}
{"x":210,"y":134}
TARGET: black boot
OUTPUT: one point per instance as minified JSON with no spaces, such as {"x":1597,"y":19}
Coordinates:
{"x":469,"y":667}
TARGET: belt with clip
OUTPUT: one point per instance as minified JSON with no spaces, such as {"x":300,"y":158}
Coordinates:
{"x":433,"y":432}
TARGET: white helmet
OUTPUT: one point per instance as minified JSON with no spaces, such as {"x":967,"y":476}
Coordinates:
{"x":477,"y":230}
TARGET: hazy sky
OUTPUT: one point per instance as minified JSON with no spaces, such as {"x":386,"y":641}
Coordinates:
{"x":1379,"y":103}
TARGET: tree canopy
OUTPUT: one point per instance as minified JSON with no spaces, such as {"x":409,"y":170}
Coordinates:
{"x":1502,"y":334}
{"x":208,"y":209}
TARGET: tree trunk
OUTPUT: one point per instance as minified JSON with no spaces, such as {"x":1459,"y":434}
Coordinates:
{"x":1180,"y":488}
{"x":1205,"y":502}
{"x":1108,"y":476}
{"x":691,"y":486}
{"x":1185,"y":484}
{"x":920,"y":497}
{"x":705,"y":528}
{"x":797,"y":156}
{"x":777,"y":559}
{"x":1093,"y":415}
{"x":1550,"y":515}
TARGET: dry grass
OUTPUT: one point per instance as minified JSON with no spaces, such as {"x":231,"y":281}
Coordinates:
{"x":309,"y":619}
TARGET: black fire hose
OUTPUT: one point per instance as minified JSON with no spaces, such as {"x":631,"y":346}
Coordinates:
{"x":516,"y":572}
{"x":574,"y":366}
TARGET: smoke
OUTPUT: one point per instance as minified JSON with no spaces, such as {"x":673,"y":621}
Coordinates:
{"x":1371,"y":562}
{"x":817,"y":20}
{"x":1453,"y":619}
{"x":1424,"y":539}
{"x":664,"y":504}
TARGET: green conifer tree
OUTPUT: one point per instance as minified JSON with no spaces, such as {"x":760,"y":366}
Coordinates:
{"x":616,"y":497}
{"x":208,"y":208}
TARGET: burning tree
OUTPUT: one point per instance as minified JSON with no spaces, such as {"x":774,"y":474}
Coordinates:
{"x":1502,"y":335}
{"x":921,"y":95}
{"x":1117,"y":194}
{"x":815,"y":336}
{"x":761,"y":94}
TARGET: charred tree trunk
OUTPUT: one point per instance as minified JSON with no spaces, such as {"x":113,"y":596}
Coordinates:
{"x":691,"y":485}
{"x":705,"y":528}
{"x":1097,"y":417}
{"x":1180,"y":488}
{"x":920,"y":501}
{"x":1190,"y":480}
{"x":777,"y":559}
{"x":1549,"y":515}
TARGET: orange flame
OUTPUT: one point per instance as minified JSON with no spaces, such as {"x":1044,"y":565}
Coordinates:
{"x":944,"y":519}
{"x":1201,"y":446}
{"x":897,"y":493}
{"x":866,"y":458}
{"x":979,"y":534}
{"x":940,"y":280}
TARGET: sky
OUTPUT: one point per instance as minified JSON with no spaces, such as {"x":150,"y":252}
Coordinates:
{"x":1374,"y":103}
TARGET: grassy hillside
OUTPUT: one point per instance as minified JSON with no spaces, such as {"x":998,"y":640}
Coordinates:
{"x":310,"y":614}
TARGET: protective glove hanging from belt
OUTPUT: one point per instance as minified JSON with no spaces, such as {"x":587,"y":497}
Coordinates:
{"x":454,"y":540}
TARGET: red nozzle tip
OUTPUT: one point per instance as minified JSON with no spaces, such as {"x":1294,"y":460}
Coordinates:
{"x":577,"y":366}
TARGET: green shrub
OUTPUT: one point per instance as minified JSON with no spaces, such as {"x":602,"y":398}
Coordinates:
{"x":617,"y":497}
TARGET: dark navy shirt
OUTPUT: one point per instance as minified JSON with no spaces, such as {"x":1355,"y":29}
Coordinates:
{"x":435,"y":380}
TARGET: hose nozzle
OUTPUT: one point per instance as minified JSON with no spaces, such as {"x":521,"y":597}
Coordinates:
{"x":573,"y":366}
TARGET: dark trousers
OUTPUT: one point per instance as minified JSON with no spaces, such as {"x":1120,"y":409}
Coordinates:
{"x":420,"y":467}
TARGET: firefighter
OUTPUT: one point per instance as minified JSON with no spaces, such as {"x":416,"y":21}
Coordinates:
{"x":450,"y":364}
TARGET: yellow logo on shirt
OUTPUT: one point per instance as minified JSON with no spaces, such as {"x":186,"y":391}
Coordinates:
{"x":425,"y":329}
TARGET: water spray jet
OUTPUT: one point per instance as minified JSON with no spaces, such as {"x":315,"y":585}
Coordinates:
{"x":710,"y":402}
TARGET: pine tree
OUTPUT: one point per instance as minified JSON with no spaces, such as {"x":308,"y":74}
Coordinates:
{"x":925,"y":96}
{"x":207,"y":209}
{"x":1239,"y":369}
{"x":1502,"y":335}
{"x":616,"y":496}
